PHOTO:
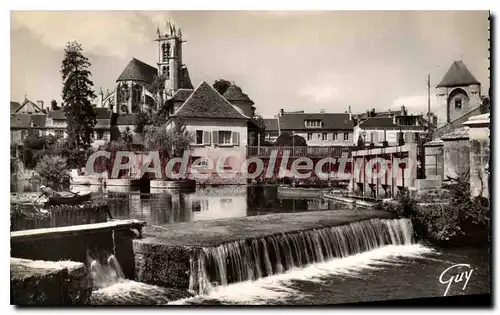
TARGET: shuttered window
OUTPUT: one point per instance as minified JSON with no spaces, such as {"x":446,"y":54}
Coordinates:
{"x":215,"y":137}
{"x":236,"y":138}
{"x":206,"y":137}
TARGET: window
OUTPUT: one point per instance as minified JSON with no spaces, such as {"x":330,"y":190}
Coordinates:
{"x":335,"y":136}
{"x":324,"y":135}
{"x":59,"y":133}
{"x":458,"y":103}
{"x":224,"y":137}
{"x":23,"y":134}
{"x":346,"y":136}
{"x":309,"y":136}
{"x":313,"y":123}
{"x":319,"y":135}
{"x":199,"y":137}
{"x":99,"y":135}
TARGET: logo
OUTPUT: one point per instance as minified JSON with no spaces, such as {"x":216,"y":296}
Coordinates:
{"x":456,"y":274}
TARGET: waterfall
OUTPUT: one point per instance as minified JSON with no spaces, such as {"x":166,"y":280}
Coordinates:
{"x":252,"y":259}
{"x":106,"y":274}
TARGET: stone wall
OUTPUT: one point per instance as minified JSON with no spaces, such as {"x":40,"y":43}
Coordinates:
{"x":48,"y":283}
{"x":456,"y":158}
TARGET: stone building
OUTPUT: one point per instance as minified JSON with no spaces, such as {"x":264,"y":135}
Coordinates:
{"x":141,"y":84}
{"x":458,"y":91}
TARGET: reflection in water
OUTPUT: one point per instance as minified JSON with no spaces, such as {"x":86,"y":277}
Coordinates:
{"x":165,"y":206}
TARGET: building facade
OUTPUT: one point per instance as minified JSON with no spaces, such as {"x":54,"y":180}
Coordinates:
{"x":318,"y":129}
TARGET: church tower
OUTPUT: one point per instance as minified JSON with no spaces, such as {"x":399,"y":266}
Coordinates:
{"x":459,"y":92}
{"x":170,"y":58}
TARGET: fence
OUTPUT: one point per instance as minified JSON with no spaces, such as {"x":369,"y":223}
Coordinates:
{"x":300,"y":151}
{"x":63,"y":215}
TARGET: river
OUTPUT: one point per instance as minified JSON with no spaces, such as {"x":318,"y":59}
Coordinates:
{"x":389,"y":272}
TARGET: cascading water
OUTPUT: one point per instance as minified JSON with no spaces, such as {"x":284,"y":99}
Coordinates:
{"x":106,"y":274}
{"x":246,"y":260}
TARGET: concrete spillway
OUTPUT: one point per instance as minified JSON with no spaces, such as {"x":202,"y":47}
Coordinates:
{"x":187,"y":255}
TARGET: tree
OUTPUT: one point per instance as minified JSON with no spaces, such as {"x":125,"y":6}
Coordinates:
{"x":287,"y":140}
{"x":221,"y":85}
{"x":53,"y":169}
{"x":172,"y":142}
{"x":77,"y":94}
{"x":142,"y":120}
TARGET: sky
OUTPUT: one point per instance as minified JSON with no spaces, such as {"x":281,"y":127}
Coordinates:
{"x":291,"y":60}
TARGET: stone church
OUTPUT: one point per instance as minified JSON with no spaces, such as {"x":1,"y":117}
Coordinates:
{"x":141,"y":84}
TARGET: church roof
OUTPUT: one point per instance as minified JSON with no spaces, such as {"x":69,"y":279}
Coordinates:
{"x":206,"y":102}
{"x":234,"y":93}
{"x":137,"y":70}
{"x":185,"y":79}
{"x":457,"y":75}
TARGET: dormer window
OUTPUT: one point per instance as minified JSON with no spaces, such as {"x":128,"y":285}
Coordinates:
{"x":313,"y":123}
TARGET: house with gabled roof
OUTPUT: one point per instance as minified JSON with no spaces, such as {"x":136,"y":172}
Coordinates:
{"x":27,"y":107}
{"x":217,"y":126}
{"x":318,"y":129}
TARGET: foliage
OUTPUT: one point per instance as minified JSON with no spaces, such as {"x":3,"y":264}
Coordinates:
{"x":126,"y":136}
{"x":142,"y":120}
{"x":287,"y":140}
{"x":446,"y":221}
{"x":221,"y":85}
{"x":156,"y":88}
{"x":172,"y":142}
{"x":53,"y":169}
{"x":77,"y":94}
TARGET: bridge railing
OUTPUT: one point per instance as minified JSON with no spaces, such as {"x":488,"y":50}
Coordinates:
{"x":300,"y":151}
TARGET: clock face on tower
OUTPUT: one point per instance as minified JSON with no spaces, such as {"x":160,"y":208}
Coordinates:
{"x":124,"y":109}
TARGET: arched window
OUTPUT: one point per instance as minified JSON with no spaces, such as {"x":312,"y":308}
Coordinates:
{"x":136,"y":93}
{"x":166,"y":71}
{"x":165,"y":49}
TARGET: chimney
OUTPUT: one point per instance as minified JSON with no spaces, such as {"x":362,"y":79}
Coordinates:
{"x":282,"y":111}
{"x":322,"y":111}
{"x":350,"y":113}
{"x":403,"y":110}
{"x":39,"y":104}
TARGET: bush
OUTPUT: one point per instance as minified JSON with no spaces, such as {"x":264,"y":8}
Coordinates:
{"x":53,"y":169}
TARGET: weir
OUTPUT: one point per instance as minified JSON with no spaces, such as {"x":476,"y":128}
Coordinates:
{"x":199,"y":255}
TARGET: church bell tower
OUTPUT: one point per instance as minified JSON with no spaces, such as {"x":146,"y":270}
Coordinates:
{"x":170,"y":57}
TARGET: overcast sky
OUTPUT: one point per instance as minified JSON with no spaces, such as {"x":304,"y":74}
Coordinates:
{"x":298,"y":60}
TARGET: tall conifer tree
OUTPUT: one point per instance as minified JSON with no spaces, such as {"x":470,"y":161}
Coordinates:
{"x":77,"y":95}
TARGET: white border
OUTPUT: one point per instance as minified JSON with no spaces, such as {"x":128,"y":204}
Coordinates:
{"x":213,"y":5}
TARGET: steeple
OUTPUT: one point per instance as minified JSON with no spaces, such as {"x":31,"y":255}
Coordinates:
{"x":170,"y":57}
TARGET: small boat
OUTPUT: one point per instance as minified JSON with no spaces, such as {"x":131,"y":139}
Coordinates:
{"x":70,"y":198}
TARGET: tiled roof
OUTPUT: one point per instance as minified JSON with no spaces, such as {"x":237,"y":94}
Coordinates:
{"x":137,"y":70}
{"x":458,"y":75}
{"x":206,"y":102}
{"x":14,"y":106}
{"x":330,"y":121}
{"x":20,"y":121}
{"x":461,"y":133}
{"x":126,"y":119}
{"x":234,"y":93}
{"x":181,"y":95}
{"x":57,"y":114}
{"x":102,"y":113}
{"x":271,"y":124}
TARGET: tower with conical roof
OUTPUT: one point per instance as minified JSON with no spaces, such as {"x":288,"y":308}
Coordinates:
{"x":170,"y":57}
{"x":459,"y":91}
{"x":235,"y":96}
